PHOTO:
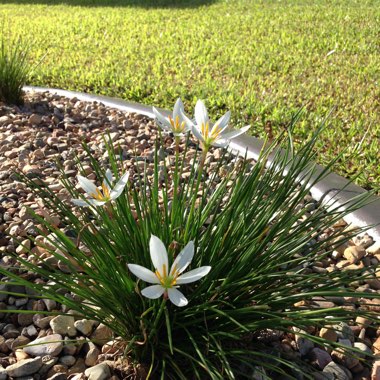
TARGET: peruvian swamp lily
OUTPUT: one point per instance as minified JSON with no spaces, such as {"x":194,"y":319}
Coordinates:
{"x":166,"y":282}
{"x":214,"y":135}
{"x":175,"y":123}
{"x":97,"y":197}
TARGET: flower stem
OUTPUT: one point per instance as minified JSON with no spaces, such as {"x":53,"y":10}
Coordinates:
{"x":160,"y":311}
{"x":177,"y":142}
{"x":195,"y":192}
{"x":175,"y":185}
{"x":109,"y":210}
{"x":202,"y":161}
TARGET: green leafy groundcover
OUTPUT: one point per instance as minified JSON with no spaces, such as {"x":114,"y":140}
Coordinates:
{"x":247,"y":225}
{"x":262,"y":59}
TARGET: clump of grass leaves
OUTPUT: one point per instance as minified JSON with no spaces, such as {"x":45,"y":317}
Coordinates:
{"x":15,"y":67}
{"x":248,"y":222}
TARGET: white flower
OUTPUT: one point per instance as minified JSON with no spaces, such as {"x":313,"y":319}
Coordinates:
{"x":175,"y":123}
{"x":166,"y":282}
{"x":214,"y":135}
{"x":100,"y":197}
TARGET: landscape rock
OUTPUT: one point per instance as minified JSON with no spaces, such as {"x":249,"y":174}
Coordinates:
{"x":102,"y":334}
{"x":320,"y":357}
{"x":375,"y":374}
{"x":49,"y":345}
{"x":328,"y":334}
{"x":376,"y":346}
{"x":99,"y":372}
{"x":47,"y":363}
{"x":354,"y":253}
{"x":24,"y":367}
{"x":374,"y":249}
{"x":338,"y":371}
{"x":92,"y":355}
{"x":35,"y":119}
{"x":364,"y":241}
{"x":63,"y":325}
{"x":84,"y":326}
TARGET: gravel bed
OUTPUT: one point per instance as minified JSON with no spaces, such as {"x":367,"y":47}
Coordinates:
{"x":50,"y":127}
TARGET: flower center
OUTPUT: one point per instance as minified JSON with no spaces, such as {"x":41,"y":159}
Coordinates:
{"x":102,"y":196}
{"x":178,"y":127}
{"x":210,"y":136}
{"x":167,"y":280}
{"x":205,"y":130}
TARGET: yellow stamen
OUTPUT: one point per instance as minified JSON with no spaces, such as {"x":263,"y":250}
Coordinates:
{"x":205,"y":130}
{"x":176,"y":124}
{"x":160,"y":277}
{"x":171,"y":122}
{"x":98,"y":195}
{"x":106,"y":190}
{"x":216,"y":131}
{"x":174,"y":274}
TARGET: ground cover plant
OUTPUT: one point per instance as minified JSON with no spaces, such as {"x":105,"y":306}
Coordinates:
{"x":262,"y":59}
{"x":238,"y":240}
{"x":15,"y":67}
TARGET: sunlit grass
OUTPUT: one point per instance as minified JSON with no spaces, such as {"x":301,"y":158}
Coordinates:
{"x":262,"y":59}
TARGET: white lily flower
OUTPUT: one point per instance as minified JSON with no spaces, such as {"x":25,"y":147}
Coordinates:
{"x":175,"y":124}
{"x":98,"y":197}
{"x":214,"y":135}
{"x":166,"y":281}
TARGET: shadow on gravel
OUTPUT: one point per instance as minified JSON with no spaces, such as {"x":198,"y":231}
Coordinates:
{"x":117,"y":3}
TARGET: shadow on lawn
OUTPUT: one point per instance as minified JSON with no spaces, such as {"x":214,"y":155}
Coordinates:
{"x":118,"y":3}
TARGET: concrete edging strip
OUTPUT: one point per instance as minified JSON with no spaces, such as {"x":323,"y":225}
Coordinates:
{"x":331,"y":187}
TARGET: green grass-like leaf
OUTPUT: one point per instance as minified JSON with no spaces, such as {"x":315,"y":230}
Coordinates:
{"x":250,"y":225}
{"x":15,"y":68}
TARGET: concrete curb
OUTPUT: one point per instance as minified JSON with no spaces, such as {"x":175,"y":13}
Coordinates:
{"x":333,"y":187}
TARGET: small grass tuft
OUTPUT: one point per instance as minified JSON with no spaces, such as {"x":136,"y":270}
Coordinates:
{"x":14,"y":68}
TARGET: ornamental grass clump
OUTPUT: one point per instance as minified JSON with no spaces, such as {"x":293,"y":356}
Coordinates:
{"x":192,"y":271}
{"x":15,"y":68}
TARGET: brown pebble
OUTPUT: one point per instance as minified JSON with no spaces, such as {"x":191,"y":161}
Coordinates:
{"x":354,"y":253}
{"x":328,"y":334}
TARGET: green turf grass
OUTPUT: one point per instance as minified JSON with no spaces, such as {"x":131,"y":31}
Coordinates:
{"x":261,"y":59}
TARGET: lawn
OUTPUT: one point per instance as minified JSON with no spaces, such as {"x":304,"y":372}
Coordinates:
{"x":261,"y":59}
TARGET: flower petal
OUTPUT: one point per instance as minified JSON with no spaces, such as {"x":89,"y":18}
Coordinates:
{"x":201,"y":115}
{"x":80,"y":202}
{"x":184,"y":258}
{"x":197,"y":133}
{"x":143,"y":273}
{"x":233,"y":134}
{"x":116,"y":194}
{"x":95,"y":202}
{"x":222,"y":123}
{"x":178,"y":107}
{"x":162,"y":121}
{"x":177,"y":297}
{"x":193,"y":275}
{"x":87,"y":185}
{"x":121,"y":183}
{"x":220,"y":143}
{"x":159,"y":255}
{"x":153,"y":292}
{"x":109,"y":179}
{"x":189,"y":123}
